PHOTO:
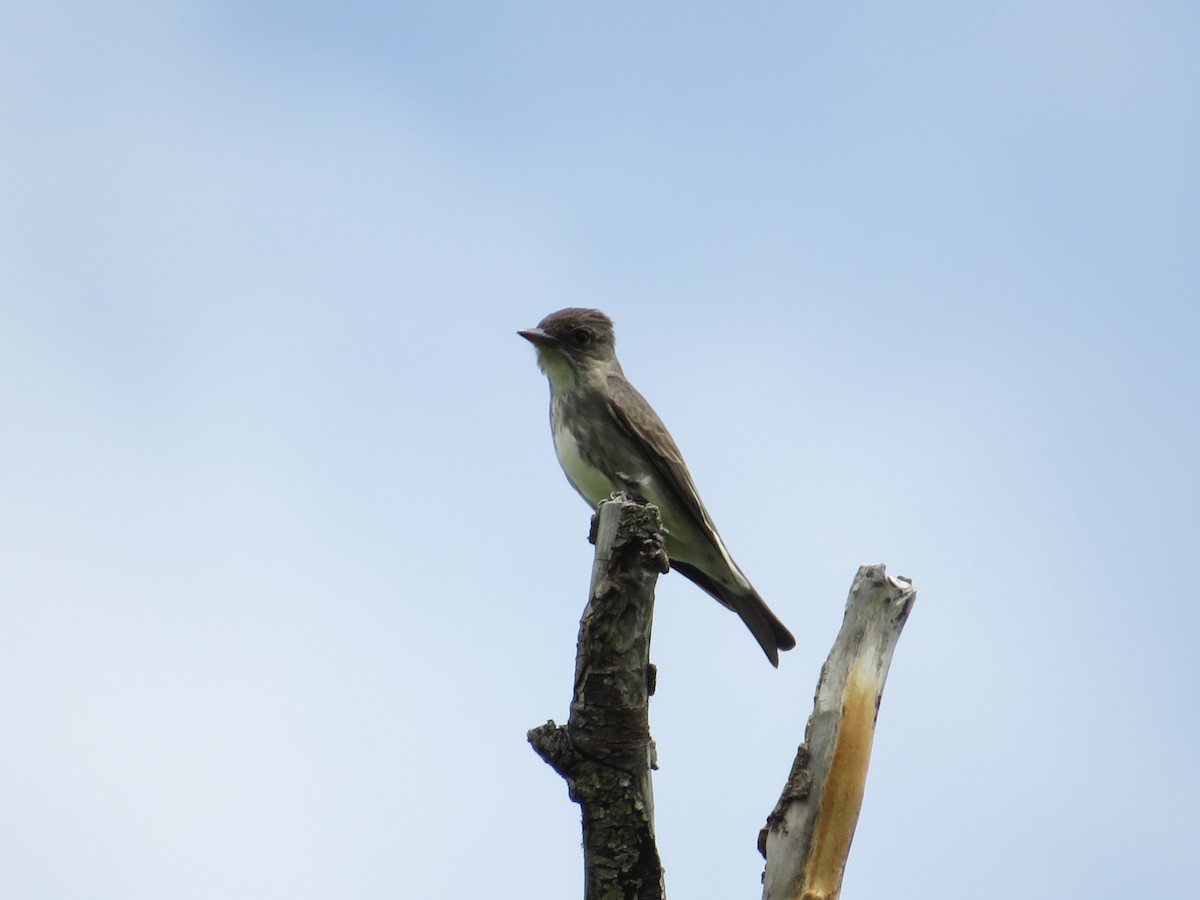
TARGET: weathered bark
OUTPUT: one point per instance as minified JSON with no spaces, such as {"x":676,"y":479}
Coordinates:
{"x":807,"y":837}
{"x":605,"y":752}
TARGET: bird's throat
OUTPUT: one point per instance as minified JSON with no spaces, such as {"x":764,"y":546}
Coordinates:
{"x":558,"y":369}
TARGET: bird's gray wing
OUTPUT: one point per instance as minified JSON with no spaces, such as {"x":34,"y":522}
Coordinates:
{"x":642,"y":423}
{"x":635,"y":416}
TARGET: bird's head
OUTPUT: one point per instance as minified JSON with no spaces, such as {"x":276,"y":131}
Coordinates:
{"x":572,"y":341}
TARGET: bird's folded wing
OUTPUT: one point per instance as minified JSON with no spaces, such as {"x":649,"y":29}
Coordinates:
{"x":642,"y":423}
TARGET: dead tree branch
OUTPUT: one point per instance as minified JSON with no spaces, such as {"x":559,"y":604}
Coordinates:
{"x":807,"y":837}
{"x":605,"y":752}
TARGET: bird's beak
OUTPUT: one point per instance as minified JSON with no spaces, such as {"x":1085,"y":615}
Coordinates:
{"x":538,"y":338}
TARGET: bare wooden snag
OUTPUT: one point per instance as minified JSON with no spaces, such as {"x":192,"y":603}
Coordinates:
{"x":807,"y":837}
{"x":605,"y":752}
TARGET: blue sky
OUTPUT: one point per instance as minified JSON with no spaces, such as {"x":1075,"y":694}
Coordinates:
{"x":288,"y":567}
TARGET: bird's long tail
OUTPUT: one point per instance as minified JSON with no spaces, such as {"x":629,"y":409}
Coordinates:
{"x":771,"y":634}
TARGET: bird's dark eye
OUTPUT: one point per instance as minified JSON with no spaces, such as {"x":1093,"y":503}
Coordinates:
{"x":581,"y":336}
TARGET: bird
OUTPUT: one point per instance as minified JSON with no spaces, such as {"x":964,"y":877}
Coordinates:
{"x":608,"y":438}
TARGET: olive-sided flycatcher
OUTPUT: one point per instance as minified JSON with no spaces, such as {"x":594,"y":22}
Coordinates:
{"x":608,"y":439}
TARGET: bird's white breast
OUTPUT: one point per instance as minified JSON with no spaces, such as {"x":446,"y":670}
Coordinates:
{"x":591,"y":483}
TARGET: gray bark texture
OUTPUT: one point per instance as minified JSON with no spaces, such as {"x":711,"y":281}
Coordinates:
{"x":605,"y":752}
{"x":807,"y":837}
